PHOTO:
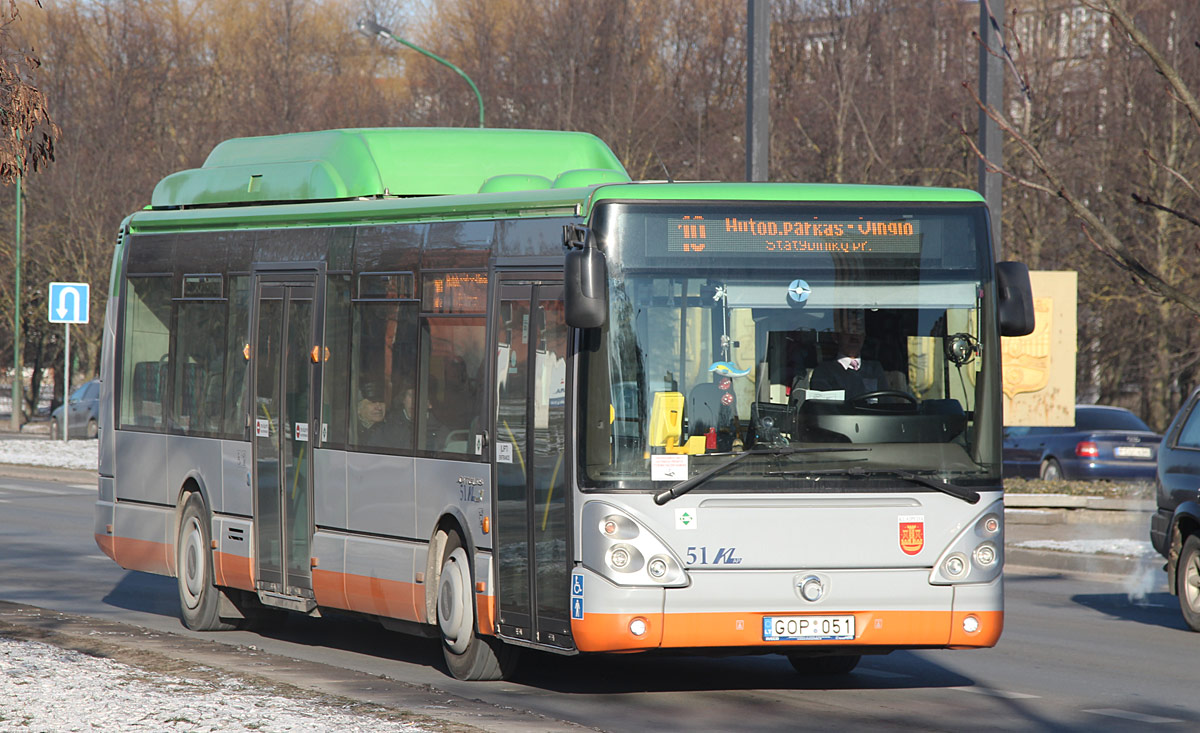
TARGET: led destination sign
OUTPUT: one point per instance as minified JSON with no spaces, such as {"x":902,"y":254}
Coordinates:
{"x":745,"y":235}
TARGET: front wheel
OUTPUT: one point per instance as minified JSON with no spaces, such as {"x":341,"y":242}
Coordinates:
{"x":198,"y":596}
{"x":1051,"y":471}
{"x":469,"y":655}
{"x":54,"y":430}
{"x":92,"y":428}
{"x":831,"y":666}
{"x":1187,"y":581}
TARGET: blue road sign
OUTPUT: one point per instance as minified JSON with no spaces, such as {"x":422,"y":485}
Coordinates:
{"x":68,"y":302}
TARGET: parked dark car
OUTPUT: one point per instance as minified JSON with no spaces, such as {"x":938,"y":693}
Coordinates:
{"x":83,"y":408}
{"x":1175,"y":527}
{"x":1105,"y":443}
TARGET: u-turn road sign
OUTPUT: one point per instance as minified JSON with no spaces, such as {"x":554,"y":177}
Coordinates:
{"x":68,"y":302}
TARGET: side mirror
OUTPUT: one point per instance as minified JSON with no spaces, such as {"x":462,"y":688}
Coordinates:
{"x":586,"y":288}
{"x":1015,"y":299}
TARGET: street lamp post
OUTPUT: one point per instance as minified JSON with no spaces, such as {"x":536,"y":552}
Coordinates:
{"x":371,"y":28}
{"x":17,"y":386}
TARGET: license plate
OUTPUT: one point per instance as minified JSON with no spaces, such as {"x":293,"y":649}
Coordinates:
{"x":1132,"y":451}
{"x":807,"y":628}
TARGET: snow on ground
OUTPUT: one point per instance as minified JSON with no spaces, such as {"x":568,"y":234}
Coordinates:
{"x":1114,"y":546}
{"x":45,"y":688}
{"x":80,"y":453}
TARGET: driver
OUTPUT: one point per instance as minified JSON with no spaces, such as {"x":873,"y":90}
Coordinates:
{"x":849,"y":371}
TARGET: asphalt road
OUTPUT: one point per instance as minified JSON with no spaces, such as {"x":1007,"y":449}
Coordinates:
{"x":1077,"y":653}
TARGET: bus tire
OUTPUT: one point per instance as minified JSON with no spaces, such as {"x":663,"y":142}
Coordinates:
{"x":199,"y":602}
{"x":831,"y":666}
{"x":1187,"y":581}
{"x":469,"y":656}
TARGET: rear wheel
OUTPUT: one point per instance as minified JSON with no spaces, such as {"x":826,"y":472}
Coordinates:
{"x":1187,"y":581}
{"x":469,"y":655}
{"x":831,"y":666}
{"x":199,"y":602}
{"x":1051,"y":471}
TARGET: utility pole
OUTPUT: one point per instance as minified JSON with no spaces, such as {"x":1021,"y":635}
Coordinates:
{"x":758,"y":82}
{"x":991,"y":91}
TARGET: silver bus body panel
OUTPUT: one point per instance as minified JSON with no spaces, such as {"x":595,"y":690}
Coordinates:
{"x":237,"y":496}
{"x":140,"y":466}
{"x":198,"y":459}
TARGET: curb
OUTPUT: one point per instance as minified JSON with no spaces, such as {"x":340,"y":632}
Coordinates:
{"x":1070,"y":501}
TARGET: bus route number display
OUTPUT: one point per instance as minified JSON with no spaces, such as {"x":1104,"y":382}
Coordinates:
{"x":748,"y":235}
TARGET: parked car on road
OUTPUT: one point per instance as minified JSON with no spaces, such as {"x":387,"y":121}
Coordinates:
{"x":83,"y":407}
{"x":1175,"y":527}
{"x":1104,"y":443}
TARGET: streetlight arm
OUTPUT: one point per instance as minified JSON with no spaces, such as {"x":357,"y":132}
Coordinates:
{"x":371,"y":28}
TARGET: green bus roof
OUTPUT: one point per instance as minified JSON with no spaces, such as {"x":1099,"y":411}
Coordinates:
{"x":332,"y":165}
{"x":336,"y":177}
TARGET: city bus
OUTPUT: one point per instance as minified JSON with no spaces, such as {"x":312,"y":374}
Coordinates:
{"x":477,"y":384}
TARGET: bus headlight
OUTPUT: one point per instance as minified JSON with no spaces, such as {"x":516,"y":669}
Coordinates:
{"x":624,"y":551}
{"x":976,"y":555}
{"x":985,"y":555}
{"x":624,"y":559}
{"x":955,"y":566}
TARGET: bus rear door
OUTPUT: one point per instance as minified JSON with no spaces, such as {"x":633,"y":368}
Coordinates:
{"x":285,"y":335}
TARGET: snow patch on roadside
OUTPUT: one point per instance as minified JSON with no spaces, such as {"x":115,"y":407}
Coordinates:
{"x":1116,"y":546}
{"x":79,"y":454}
{"x":45,"y":688}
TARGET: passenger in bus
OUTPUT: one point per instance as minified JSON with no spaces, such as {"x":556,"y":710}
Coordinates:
{"x":406,"y":417}
{"x":849,"y":371}
{"x":374,"y":429}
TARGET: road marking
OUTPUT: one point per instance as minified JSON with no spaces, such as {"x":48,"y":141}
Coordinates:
{"x":34,"y":490}
{"x":883,"y":674}
{"x":1136,"y":717}
{"x":49,"y":492}
{"x":85,"y":487}
{"x":1006,"y":694}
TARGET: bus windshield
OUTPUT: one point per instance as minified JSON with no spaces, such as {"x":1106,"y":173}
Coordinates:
{"x":863,"y":328}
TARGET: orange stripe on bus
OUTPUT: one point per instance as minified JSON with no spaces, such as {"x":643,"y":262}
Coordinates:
{"x":599,"y":632}
{"x":233,"y":571}
{"x":105,"y":543}
{"x":144,"y":555}
{"x":379,"y":596}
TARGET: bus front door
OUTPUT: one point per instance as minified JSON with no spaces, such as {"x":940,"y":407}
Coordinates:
{"x":284,"y":375}
{"x":532,"y":511}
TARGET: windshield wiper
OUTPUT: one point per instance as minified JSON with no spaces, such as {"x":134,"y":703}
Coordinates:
{"x":958,"y":492}
{"x":687,"y":485}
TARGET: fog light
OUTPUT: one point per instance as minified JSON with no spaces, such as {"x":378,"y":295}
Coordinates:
{"x":985,"y":555}
{"x":955,"y":566}
{"x":657,"y":567}
{"x":610,"y":527}
{"x":991,"y":525}
{"x":970,"y":624}
{"x":637,"y":627}
{"x":619,"y":558}
{"x":812,"y":589}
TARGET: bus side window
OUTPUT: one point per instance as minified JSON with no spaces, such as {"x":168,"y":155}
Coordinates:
{"x":147,"y":342}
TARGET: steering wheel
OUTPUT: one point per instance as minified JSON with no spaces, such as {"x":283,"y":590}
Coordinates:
{"x":864,"y":399}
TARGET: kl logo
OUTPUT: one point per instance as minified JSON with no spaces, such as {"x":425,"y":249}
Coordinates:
{"x":912,"y":534}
